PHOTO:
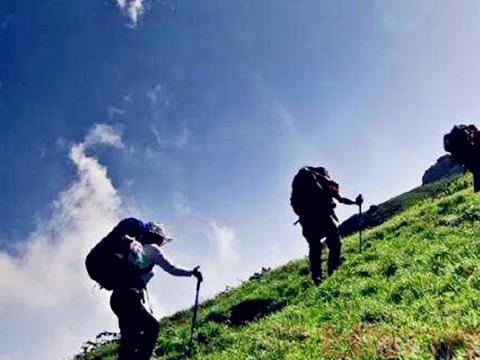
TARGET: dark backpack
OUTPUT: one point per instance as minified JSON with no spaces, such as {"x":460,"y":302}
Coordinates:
{"x":107,"y":262}
{"x":309,"y":193}
{"x":460,"y":142}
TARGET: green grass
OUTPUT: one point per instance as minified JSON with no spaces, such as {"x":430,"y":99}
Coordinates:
{"x":414,"y":292}
{"x":377,"y":215}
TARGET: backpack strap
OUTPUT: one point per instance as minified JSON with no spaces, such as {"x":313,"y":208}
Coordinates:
{"x":327,"y":185}
{"x":316,"y":177}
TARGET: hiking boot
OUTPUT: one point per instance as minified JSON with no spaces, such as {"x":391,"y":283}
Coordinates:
{"x":317,"y":280}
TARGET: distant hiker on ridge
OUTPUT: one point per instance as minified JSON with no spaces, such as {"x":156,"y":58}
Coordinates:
{"x":123,"y":262}
{"x":312,"y":199}
{"x":463,"y":142}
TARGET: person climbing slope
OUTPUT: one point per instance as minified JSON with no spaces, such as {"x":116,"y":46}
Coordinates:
{"x":463,"y":143}
{"x":123,"y":262}
{"x":313,"y":199}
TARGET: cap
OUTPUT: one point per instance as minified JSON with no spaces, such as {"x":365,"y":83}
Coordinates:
{"x":158,"y":230}
{"x":320,"y":170}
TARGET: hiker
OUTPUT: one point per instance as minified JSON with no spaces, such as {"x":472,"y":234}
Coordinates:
{"x":139,"y":245}
{"x":463,"y":143}
{"x":313,"y":200}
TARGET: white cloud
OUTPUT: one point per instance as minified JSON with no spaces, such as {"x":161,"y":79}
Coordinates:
{"x":178,"y":141}
{"x":114,"y":112}
{"x":102,"y":134}
{"x":46,"y":294}
{"x":217,"y":253}
{"x":133,"y":9}
{"x":160,"y":100}
{"x":224,"y":239}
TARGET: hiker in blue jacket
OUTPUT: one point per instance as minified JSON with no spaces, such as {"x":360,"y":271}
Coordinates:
{"x":138,"y":327}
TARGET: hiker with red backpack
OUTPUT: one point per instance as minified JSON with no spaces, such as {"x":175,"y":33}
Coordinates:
{"x":463,"y":143}
{"x":313,"y":199}
{"x":123,"y":261}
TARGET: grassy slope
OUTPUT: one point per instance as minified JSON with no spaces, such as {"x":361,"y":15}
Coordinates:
{"x":377,"y":215}
{"x":412,"y":293}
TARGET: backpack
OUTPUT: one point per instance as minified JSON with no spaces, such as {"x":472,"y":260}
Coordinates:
{"x":310,"y":194}
{"x":460,"y":142}
{"x":107,"y":262}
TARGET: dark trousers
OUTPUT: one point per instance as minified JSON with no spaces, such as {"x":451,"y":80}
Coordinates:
{"x":314,"y":230}
{"x":476,"y":179}
{"x":138,"y":328}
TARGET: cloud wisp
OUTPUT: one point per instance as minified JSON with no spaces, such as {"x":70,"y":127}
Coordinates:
{"x":224,"y":239}
{"x":45,"y":291}
{"x":178,"y":141}
{"x":160,"y":101}
{"x":133,"y":9}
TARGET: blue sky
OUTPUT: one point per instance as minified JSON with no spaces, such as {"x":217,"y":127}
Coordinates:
{"x":197,"y":114}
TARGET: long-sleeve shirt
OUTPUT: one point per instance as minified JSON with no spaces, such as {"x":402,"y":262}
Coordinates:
{"x":143,"y":257}
{"x":146,"y":256}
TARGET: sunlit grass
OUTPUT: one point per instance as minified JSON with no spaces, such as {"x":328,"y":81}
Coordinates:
{"x":414,"y":292}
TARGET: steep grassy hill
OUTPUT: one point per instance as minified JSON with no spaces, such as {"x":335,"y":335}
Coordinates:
{"x":378,"y":214}
{"x":414,"y":292}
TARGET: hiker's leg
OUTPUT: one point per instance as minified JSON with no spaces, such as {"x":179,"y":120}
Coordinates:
{"x":129,"y":340}
{"x":335,"y":247}
{"x":476,"y":180}
{"x":315,"y":256}
{"x":312,"y":233}
{"x":123,"y":303}
{"x":149,"y":327}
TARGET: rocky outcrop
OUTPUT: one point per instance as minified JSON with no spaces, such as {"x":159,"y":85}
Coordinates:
{"x":431,"y":186}
{"x":444,"y":167}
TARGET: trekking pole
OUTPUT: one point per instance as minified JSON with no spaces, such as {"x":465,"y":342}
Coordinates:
{"x":359,"y":201}
{"x":360,"y":226}
{"x":194,"y":319}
